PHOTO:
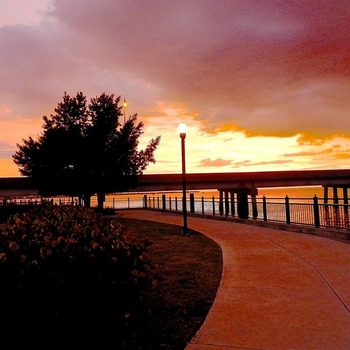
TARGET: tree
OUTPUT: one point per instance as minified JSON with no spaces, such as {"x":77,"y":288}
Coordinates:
{"x":83,"y":149}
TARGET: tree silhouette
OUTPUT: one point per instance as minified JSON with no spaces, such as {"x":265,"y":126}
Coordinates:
{"x":83,"y":149}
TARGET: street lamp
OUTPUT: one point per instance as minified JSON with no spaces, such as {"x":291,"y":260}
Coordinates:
{"x":182,"y":131}
{"x":124,"y":106}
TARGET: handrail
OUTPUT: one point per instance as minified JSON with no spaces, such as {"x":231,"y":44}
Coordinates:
{"x":304,"y":211}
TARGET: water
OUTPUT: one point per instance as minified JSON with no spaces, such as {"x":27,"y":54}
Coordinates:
{"x":135,"y":200}
{"x":292,"y":192}
{"x":270,"y":193}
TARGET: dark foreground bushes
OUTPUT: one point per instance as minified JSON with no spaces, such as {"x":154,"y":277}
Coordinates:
{"x":9,"y":209}
{"x":69,"y":278}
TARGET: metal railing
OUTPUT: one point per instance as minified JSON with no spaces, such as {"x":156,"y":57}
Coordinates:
{"x":117,"y":202}
{"x":304,"y":211}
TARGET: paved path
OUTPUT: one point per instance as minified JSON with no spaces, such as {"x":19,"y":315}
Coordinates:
{"x":278,"y":290}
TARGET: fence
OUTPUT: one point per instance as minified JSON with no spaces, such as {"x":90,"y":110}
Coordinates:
{"x":304,"y":211}
{"x":113,"y":202}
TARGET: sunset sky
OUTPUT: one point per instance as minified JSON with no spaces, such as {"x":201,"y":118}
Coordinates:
{"x":261,"y":84}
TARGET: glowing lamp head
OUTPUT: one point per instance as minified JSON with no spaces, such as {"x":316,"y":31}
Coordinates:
{"x":124,"y":104}
{"x":182,"y":129}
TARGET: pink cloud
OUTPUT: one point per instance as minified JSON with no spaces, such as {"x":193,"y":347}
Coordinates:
{"x":270,"y":68}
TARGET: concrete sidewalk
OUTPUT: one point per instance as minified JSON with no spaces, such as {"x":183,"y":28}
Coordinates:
{"x":278,"y":290}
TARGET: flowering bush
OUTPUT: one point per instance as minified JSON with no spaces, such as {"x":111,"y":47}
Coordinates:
{"x":66,"y":273}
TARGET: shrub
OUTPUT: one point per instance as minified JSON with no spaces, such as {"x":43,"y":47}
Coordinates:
{"x":67,"y":275}
{"x":8,"y":209}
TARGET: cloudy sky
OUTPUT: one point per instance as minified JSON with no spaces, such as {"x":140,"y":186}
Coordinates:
{"x":261,"y":84}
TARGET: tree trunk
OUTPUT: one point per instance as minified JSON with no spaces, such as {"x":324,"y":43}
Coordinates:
{"x":87,"y":200}
{"x":100,"y":199}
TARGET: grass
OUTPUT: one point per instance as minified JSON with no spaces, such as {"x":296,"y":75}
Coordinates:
{"x":188,"y":270}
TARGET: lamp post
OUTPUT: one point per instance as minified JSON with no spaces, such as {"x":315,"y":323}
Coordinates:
{"x":124,"y":107}
{"x":182,"y":131}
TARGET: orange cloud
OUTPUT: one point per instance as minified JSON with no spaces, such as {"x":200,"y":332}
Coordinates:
{"x":218,"y":162}
{"x":342,"y":155}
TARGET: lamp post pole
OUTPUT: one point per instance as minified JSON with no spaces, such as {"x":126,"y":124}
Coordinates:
{"x":182,"y":131}
{"x":124,"y":106}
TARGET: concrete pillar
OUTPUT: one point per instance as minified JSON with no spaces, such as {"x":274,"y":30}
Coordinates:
{"x":192,"y":207}
{"x":255,"y":207}
{"x":336,"y":207}
{"x":346,"y":208}
{"x":325,"y":202}
{"x":242,"y":204}
{"x":163,"y":202}
{"x":233,"y":203}
{"x":325,"y":194}
{"x":221,"y":203}
{"x":253,"y":194}
{"x":335,"y":195}
{"x":226,"y":204}
{"x":345,"y":195}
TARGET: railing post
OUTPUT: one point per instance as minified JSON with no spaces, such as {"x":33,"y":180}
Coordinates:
{"x":316,"y":212}
{"x":287,"y":210}
{"x":192,"y":203}
{"x":175,"y":203}
{"x":202,"y":205}
{"x":163,"y":202}
{"x":144,"y":201}
{"x":213,"y":201}
{"x":169,"y":203}
{"x":264,"y":208}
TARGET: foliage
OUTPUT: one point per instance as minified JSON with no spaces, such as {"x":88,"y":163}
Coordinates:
{"x":69,"y":276}
{"x":8,"y":209}
{"x":83,"y":149}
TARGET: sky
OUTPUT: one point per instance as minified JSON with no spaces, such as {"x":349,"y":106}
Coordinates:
{"x":262,"y":85}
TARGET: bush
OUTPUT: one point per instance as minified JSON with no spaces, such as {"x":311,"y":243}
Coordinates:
{"x":8,"y":209}
{"x":68,"y":276}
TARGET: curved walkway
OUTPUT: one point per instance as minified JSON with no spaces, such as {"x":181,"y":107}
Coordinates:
{"x":278,"y":290}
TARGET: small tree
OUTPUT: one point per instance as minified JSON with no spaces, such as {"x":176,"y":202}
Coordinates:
{"x":83,"y":149}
